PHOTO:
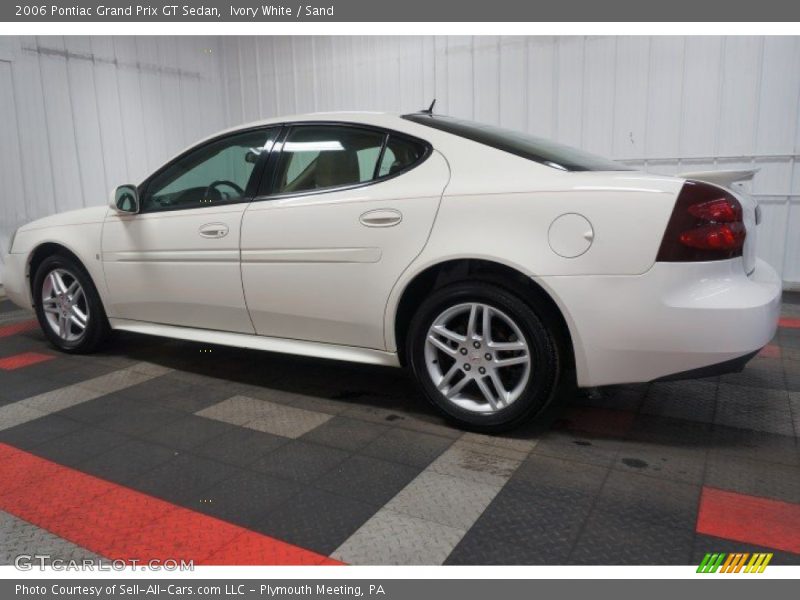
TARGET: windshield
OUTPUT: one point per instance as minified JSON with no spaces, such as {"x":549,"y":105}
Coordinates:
{"x":527,"y":146}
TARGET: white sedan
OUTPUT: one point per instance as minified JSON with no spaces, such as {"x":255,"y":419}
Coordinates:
{"x":495,"y":265}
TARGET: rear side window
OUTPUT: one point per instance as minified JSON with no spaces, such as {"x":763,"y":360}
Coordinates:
{"x":319,"y":157}
{"x":400,"y":153}
{"x":521,"y":144}
{"x":324,"y":156}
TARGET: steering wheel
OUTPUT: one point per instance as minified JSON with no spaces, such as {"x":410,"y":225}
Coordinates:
{"x":213,"y":187}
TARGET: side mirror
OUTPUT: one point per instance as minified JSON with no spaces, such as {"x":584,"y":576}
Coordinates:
{"x":125,"y":199}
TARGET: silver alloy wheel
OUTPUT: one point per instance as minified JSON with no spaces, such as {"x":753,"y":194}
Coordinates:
{"x":477,"y":357}
{"x":65,"y":305}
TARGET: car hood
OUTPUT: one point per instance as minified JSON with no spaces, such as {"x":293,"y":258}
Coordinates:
{"x":93,"y":214}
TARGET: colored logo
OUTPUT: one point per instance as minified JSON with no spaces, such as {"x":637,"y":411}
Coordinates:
{"x":734,"y":563}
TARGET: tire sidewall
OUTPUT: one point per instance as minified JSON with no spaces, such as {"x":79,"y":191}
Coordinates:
{"x":96,"y":327}
{"x":541,"y":345}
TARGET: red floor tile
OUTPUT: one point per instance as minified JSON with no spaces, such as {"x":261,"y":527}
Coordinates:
{"x":26,"y":359}
{"x":16,"y":328}
{"x":749,"y":519}
{"x":770,"y":351}
{"x":789,"y":323}
{"x":252,"y":550}
{"x":120,"y":523}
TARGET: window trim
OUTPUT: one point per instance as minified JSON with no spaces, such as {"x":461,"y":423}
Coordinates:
{"x":252,"y":183}
{"x":267,"y":182}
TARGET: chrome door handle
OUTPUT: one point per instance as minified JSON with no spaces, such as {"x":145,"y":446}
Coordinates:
{"x":381,"y":217}
{"x":214,"y":230}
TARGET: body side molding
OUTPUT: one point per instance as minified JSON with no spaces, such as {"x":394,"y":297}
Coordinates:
{"x":256,"y":342}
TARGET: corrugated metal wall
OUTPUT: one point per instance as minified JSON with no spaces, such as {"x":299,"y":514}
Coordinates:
{"x":665,"y":104}
{"x":89,"y":113}
{"x":79,"y":115}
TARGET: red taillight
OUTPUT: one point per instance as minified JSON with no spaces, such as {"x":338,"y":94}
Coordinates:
{"x":720,"y":210}
{"x":706,"y":224}
{"x":726,"y":236}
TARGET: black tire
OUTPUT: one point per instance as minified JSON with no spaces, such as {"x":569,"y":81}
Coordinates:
{"x":97,"y":328}
{"x":545,"y":364}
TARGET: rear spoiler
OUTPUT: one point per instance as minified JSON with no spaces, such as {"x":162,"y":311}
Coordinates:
{"x":725,"y":179}
{"x":722,"y":178}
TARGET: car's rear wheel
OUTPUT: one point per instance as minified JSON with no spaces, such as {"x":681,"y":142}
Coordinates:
{"x":68,"y":306}
{"x":483,"y":356}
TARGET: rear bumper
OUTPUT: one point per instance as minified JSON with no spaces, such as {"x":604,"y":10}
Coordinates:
{"x":734,"y":365}
{"x":677,"y":317}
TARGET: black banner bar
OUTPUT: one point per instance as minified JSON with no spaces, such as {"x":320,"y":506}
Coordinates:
{"x":731,"y":588}
{"x":403,"y":11}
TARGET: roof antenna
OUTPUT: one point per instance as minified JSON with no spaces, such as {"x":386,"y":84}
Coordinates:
{"x":429,"y":110}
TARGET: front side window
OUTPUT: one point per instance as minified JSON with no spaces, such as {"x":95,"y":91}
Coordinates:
{"x":215,"y":173}
{"x":326,"y":156}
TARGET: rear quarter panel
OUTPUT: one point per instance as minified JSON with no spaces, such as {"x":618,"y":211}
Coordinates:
{"x":499,"y":207}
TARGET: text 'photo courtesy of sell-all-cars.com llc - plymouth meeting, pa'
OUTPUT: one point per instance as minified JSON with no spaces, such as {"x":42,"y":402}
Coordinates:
{"x":494,"y":265}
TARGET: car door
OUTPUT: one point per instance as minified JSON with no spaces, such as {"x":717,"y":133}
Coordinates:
{"x":177,"y":261}
{"x":343,"y":211}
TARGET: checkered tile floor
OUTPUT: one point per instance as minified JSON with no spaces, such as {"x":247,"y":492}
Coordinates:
{"x":162,"y":448}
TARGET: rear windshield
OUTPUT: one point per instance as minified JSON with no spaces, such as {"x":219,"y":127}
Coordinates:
{"x":527,"y":146}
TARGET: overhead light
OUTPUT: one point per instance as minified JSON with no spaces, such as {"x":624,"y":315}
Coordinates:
{"x":321,"y":146}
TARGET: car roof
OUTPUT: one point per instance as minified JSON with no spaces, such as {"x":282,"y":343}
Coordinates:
{"x":364,"y":117}
{"x":468,"y":160}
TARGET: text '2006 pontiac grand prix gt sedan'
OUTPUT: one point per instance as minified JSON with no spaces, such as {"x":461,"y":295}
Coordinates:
{"x":493,"y":264}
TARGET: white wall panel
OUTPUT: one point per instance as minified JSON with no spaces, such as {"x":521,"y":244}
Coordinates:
{"x":485,"y":55}
{"x":460,"y":76}
{"x":60,"y":124}
{"x":88,"y":149}
{"x":597,"y":110}
{"x":780,"y":81}
{"x":667,"y":104}
{"x":542,"y":92}
{"x":702,"y":76}
{"x":36,"y":173}
{"x":12,"y":208}
{"x":570,"y":54}
{"x":665,"y":97}
{"x":83,"y":114}
{"x":80,"y":115}
{"x":631,"y":83}
{"x":741,"y":72}
{"x":512,"y":91}
{"x":112,"y":138}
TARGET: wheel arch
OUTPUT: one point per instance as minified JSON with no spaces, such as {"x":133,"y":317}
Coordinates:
{"x":44,"y":250}
{"x":434,"y":276}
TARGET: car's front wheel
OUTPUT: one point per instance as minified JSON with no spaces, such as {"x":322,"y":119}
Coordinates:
{"x":483,"y":356}
{"x":68,"y":306}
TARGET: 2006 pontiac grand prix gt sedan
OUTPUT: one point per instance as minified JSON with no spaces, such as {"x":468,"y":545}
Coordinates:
{"x":493,"y":264}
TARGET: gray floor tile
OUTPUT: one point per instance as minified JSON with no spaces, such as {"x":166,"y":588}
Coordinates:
{"x":298,"y":460}
{"x":367,"y":479}
{"x":615,"y":540}
{"x":391,"y":538}
{"x":444,"y":499}
{"x":407,"y":447}
{"x":755,"y":409}
{"x":689,"y":400}
{"x":316,"y":520}
{"x":754,"y":477}
{"x":466,"y":462}
{"x":345,"y":433}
